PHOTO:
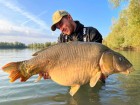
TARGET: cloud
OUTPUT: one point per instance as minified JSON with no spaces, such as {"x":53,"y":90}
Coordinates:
{"x":20,"y":25}
{"x":26,"y":14}
{"x":8,"y":28}
{"x":11,"y":32}
{"x":27,"y":40}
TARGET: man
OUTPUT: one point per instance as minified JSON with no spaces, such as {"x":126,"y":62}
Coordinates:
{"x":73,"y":30}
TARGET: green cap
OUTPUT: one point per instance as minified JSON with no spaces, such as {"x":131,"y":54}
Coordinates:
{"x":57,"y":16}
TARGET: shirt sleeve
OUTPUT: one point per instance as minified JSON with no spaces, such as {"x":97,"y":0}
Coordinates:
{"x":94,"y":35}
{"x":61,"y":38}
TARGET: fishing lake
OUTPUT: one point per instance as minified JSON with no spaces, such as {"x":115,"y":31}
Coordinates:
{"x":118,"y":89}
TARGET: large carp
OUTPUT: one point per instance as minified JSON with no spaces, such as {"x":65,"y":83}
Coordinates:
{"x":71,"y":64}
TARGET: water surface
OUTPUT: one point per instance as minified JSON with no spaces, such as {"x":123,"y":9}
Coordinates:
{"x":118,"y":90}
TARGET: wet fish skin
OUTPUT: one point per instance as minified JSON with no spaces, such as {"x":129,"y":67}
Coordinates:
{"x":71,"y":64}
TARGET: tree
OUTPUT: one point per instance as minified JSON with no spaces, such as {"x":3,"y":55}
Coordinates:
{"x":116,"y":3}
{"x":125,"y":32}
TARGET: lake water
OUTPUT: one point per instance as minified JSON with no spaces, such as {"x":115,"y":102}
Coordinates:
{"x":118,"y":89}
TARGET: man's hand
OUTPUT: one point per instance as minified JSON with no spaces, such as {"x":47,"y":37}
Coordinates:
{"x":45,"y":75}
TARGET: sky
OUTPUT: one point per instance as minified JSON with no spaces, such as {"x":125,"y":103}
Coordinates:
{"x":29,"y":21}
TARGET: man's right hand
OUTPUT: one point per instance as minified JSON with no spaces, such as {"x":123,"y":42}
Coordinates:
{"x":45,"y":75}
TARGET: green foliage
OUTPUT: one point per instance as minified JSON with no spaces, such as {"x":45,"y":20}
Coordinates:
{"x":116,"y":3}
{"x":22,"y":45}
{"x":41,"y":45}
{"x":125,"y":32}
{"x":12,"y":45}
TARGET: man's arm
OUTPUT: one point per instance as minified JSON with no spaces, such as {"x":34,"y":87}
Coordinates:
{"x":61,"y":39}
{"x":94,"y":35}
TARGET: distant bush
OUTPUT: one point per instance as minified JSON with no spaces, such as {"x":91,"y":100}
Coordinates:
{"x":41,"y":45}
{"x":17,"y":45}
{"x":12,"y":45}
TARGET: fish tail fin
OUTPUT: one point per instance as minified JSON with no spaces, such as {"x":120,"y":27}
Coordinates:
{"x":12,"y":69}
{"x":14,"y":72}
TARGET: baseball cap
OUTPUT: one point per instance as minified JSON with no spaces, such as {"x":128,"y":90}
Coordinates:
{"x":57,"y":16}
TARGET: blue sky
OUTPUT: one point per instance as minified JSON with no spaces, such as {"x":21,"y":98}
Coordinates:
{"x":29,"y":21}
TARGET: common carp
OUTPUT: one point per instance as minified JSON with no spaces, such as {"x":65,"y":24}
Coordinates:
{"x":71,"y":64}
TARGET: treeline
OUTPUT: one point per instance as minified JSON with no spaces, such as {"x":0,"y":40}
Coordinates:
{"x":125,"y":32}
{"x":41,"y":45}
{"x":19,"y":45}
{"x":12,"y":45}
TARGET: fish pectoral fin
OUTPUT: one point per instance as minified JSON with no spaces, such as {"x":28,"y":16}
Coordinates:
{"x":74,"y":89}
{"x":38,"y":79}
{"x":94,"y":79}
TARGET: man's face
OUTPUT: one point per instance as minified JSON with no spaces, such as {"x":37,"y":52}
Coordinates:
{"x":65,"y":25}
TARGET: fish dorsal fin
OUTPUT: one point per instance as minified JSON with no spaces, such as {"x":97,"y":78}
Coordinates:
{"x":36,"y":53}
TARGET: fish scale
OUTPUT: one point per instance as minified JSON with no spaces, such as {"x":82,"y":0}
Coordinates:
{"x":71,"y":64}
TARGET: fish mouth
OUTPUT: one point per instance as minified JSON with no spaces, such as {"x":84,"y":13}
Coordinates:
{"x":128,"y":71}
